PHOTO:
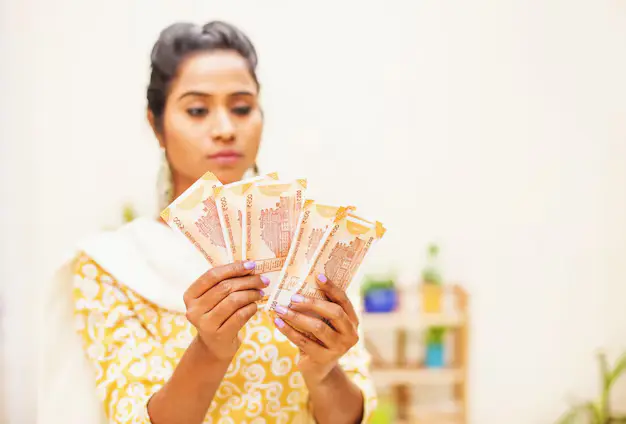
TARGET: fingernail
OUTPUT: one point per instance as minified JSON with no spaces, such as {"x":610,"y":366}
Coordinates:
{"x":249,"y":265}
{"x":262,"y":293}
{"x":322,"y":278}
{"x":279,"y":322}
{"x":281,"y":310}
{"x":265,"y":280}
{"x":297,"y":298}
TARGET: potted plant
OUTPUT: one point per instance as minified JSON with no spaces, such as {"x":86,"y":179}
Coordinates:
{"x":432,"y":290}
{"x":379,"y":294}
{"x":435,"y":348}
{"x":599,"y":412}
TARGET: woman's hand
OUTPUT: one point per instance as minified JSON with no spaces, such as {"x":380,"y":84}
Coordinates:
{"x":318,"y":360}
{"x":219,"y":304}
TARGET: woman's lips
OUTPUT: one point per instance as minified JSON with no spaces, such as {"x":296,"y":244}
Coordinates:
{"x":227,"y":157}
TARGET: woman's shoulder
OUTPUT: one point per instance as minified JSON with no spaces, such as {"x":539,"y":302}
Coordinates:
{"x":85,"y":265}
{"x":93,"y":281}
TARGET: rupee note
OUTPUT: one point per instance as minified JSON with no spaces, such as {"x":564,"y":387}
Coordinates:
{"x":340,"y":257}
{"x":231,"y":204}
{"x":342,"y":253}
{"x":194,"y":215}
{"x":310,"y":233}
{"x":272,"y":211}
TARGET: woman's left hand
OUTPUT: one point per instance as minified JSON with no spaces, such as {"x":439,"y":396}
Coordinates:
{"x":318,"y":360}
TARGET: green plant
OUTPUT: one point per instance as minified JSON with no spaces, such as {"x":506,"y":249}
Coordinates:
{"x":377,"y":283}
{"x":435,"y":335}
{"x":599,"y":412}
{"x":128,"y":213}
{"x":431,"y":273}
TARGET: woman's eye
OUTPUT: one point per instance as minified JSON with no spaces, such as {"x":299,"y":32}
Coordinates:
{"x":242,"y":110}
{"x":197,"y":111}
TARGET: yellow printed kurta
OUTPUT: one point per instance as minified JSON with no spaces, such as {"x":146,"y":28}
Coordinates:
{"x":134,"y":347}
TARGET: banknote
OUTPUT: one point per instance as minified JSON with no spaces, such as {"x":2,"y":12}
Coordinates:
{"x":272,"y":211}
{"x":231,"y":204}
{"x":340,"y":257}
{"x":342,"y":253}
{"x":311,"y":231}
{"x":194,"y":214}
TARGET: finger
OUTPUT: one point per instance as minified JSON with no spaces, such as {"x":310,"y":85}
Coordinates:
{"x":338,"y":296}
{"x":333,"y":312}
{"x":305,"y":344}
{"x":322,"y":331}
{"x":238,"y":320}
{"x":233,"y":302}
{"x":220,"y":291}
{"x":217,"y":274}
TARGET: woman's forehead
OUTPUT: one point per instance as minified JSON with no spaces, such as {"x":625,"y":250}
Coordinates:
{"x":214,"y":73}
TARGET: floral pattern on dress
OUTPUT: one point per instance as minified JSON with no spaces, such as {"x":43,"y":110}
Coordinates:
{"x":134,"y":346}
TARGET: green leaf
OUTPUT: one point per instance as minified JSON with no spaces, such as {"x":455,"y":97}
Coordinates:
{"x":574,"y":415}
{"x":586,"y":411}
{"x":128,"y":213}
{"x":604,"y":367}
{"x":431,"y":276}
{"x":435,"y":335}
{"x":618,"y":370}
{"x":377,"y":284}
{"x":433,"y":250}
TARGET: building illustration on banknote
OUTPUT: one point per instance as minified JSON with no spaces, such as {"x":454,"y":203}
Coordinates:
{"x":343,"y":261}
{"x":278,"y":225}
{"x":209,"y":223}
{"x":314,"y":241}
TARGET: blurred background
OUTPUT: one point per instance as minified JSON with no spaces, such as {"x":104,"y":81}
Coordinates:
{"x":494,"y":130}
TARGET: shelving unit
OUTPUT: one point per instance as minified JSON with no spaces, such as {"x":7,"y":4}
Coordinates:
{"x":403,"y":377}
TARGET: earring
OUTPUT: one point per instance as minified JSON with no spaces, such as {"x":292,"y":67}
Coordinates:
{"x":165,"y":184}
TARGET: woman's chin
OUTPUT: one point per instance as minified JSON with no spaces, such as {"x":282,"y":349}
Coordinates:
{"x":228,"y":175}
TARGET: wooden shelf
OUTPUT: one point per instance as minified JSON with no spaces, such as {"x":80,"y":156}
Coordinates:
{"x":401,"y":377}
{"x":435,"y":415}
{"x":417,"y":376}
{"x":410,"y":321}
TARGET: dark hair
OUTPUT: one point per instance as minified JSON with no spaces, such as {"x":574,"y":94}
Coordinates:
{"x":177,"y":42}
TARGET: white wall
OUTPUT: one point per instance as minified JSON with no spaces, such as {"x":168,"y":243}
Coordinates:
{"x":496,"y":128}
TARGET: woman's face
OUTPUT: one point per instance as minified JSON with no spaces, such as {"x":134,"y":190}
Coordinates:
{"x":212,"y":119}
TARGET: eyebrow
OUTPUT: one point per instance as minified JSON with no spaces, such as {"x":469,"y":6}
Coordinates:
{"x":203,"y":94}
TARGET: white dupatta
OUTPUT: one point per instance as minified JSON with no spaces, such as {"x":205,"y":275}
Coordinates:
{"x":144,"y":255}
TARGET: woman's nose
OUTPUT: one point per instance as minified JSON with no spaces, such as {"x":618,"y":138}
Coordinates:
{"x":222,"y":127}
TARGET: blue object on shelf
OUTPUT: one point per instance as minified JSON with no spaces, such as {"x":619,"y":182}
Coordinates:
{"x":380,"y":300}
{"x":434,"y":355}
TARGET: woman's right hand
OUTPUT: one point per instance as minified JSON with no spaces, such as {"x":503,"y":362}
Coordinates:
{"x":219,"y":304}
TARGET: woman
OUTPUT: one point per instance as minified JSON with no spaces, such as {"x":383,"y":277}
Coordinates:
{"x":167,"y":341}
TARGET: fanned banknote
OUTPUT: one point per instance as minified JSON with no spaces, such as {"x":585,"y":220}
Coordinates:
{"x":194,"y":214}
{"x":231,"y":204}
{"x":311,"y":232}
{"x":268,"y":221}
{"x":340,"y":257}
{"x":342,"y":253}
{"x":272,"y":211}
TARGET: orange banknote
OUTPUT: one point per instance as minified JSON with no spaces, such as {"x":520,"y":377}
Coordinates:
{"x":312,"y":230}
{"x":342,"y":253}
{"x":194,"y":215}
{"x":272,"y":211}
{"x":231,"y":204}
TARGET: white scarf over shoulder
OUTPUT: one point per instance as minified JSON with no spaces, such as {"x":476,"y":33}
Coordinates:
{"x":145,"y":256}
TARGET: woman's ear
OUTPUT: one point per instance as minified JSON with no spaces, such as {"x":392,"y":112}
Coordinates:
{"x":155,"y":129}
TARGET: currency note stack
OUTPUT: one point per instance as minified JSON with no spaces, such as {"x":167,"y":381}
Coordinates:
{"x":289,"y":236}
